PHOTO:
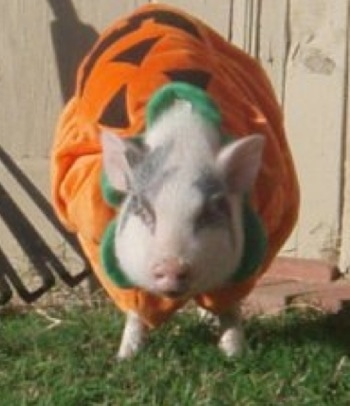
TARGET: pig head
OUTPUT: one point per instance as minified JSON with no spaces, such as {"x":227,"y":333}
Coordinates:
{"x":180,"y":228}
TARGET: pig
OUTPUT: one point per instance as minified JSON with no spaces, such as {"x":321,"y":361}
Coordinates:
{"x":180,"y":227}
{"x":185,"y":127}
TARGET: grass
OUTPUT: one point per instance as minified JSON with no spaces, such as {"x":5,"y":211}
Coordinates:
{"x":297,"y":358}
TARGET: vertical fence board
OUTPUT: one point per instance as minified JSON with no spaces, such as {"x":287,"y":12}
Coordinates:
{"x":273,"y":42}
{"x":28,"y":88}
{"x":215,"y":13}
{"x":272,"y":53}
{"x":314,"y":107}
{"x":344,"y":262}
{"x":245,"y":25}
{"x":101,"y":13}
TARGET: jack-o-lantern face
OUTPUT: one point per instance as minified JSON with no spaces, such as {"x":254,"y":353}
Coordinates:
{"x":133,"y":59}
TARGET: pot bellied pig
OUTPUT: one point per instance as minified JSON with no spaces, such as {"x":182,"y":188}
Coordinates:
{"x":171,"y":165}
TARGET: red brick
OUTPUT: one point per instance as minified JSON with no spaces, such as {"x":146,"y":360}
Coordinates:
{"x":258,"y":304}
{"x":329,"y":305}
{"x":330,"y":298}
{"x":270,"y":298}
{"x":288,"y":289}
{"x":297,"y":269}
{"x":305,"y":281}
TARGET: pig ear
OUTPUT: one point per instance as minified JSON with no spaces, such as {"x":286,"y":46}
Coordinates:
{"x":239,"y":163}
{"x":118,"y":158}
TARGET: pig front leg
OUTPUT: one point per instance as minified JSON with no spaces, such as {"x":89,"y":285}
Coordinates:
{"x":231,"y":340}
{"x":134,"y":336}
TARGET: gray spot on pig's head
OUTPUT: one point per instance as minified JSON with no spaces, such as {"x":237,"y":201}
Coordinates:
{"x":215,"y":210}
{"x":180,"y":228}
{"x":139,"y":173}
{"x":150,"y":173}
{"x":147,"y":179}
{"x":138,"y":205}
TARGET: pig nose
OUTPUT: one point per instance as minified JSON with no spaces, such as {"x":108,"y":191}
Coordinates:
{"x":172,"y":277}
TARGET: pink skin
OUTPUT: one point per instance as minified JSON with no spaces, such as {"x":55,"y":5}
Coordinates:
{"x":171,"y":277}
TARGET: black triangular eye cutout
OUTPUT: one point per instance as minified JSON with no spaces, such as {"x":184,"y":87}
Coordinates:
{"x":115,"y":114}
{"x":195,"y":77}
{"x":136,"y":54}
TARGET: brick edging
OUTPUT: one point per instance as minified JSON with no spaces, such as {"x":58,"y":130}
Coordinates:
{"x":298,"y":281}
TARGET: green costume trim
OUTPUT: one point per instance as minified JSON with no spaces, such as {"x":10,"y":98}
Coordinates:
{"x":199,"y":99}
{"x":255,"y":237}
{"x":113,"y":197}
{"x":109,"y":260}
{"x":255,"y":244}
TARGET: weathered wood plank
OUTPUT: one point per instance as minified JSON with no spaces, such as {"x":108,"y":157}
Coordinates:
{"x":103,"y":12}
{"x":314,"y":98}
{"x":215,"y":13}
{"x":273,"y":42}
{"x":28,"y":89}
{"x":344,"y":262}
{"x":272,"y":53}
{"x":245,"y":25}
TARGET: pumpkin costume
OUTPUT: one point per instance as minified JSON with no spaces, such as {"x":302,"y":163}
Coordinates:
{"x":133,"y":60}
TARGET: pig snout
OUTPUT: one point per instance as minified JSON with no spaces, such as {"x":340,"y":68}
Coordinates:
{"x":172,"y":277}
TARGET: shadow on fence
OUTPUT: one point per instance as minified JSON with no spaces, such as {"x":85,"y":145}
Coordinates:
{"x":71,"y":39}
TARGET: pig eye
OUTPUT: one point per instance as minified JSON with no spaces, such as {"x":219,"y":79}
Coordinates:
{"x":214,"y":213}
{"x":142,"y":208}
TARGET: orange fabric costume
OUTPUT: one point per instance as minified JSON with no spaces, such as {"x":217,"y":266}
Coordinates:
{"x":132,"y":59}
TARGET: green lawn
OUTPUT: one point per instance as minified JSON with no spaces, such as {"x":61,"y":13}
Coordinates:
{"x":298,"y":358}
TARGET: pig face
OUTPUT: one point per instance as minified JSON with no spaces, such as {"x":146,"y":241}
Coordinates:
{"x":180,"y":228}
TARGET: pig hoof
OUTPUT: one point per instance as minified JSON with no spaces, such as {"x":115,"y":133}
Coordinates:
{"x":231,"y":343}
{"x":134,"y":335}
{"x":130,"y":347}
{"x":126,"y":353}
{"x":230,"y":350}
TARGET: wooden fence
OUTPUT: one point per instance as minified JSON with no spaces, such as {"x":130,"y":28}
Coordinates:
{"x":304,"y":46}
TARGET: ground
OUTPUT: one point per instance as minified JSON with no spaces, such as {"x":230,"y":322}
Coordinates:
{"x":297,"y":351}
